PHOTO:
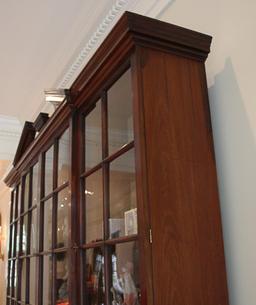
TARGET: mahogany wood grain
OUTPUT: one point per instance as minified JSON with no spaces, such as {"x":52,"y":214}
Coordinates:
{"x":176,"y":180}
{"x":187,"y":249}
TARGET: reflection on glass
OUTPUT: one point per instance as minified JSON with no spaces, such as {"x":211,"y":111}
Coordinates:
{"x":123,"y":205}
{"x":18,"y":201}
{"x":10,"y":243}
{"x":13,"y":206}
{"x":47,"y":280}
{"x":64,"y":158}
{"x":17,"y":238}
{"x":94,"y":207}
{"x":125,"y":288}
{"x":33,"y":236}
{"x":95,"y":290}
{"x":62,"y":218}
{"x":93,"y":147}
{"x":35,"y":184}
{"x":120,"y":119}
{"x":24,"y":234}
{"x":62,"y":278}
{"x":48,"y":171}
{"x":26,"y":193}
{"x":23,"y":280}
{"x":13,"y":239}
{"x":32,"y":281}
{"x":15,"y":279}
{"x":48,"y":224}
{"x":10,"y":277}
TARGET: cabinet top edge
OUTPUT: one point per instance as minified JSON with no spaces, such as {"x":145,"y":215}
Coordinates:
{"x":130,"y":31}
{"x":136,"y":30}
{"x":170,"y":32}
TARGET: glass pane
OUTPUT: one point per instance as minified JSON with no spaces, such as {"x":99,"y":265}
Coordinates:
{"x":23,"y":280}
{"x":13,"y":206}
{"x":32,"y":281}
{"x":62,"y":278}
{"x":62,"y":218}
{"x":123,"y":211}
{"x":18,"y":202}
{"x":95,"y":290}
{"x":47,"y":280}
{"x":24,"y":235}
{"x":33,"y":237}
{"x":15,"y":279}
{"x":26,"y":193}
{"x":120,"y":118}
{"x":17,"y":238}
{"x":11,"y":234}
{"x":48,"y":224}
{"x":10,"y":277}
{"x":125,"y":274}
{"x":49,"y":171}
{"x":94,"y":207}
{"x":64,"y":158}
{"x":13,"y":239}
{"x":35,"y":185}
{"x":93,"y":146}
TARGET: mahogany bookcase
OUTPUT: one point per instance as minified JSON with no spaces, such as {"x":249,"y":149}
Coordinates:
{"x":114,"y":197}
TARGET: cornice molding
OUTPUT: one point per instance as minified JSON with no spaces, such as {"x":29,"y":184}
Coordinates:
{"x":150,"y":8}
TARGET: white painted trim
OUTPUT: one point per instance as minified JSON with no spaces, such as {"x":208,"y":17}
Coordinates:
{"x":150,"y":8}
{"x":10,"y":131}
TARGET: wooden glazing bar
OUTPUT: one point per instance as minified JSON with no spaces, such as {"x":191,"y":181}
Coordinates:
{"x":120,"y":240}
{"x":108,"y":159}
{"x":74,"y":233}
{"x":57,"y":190}
{"x":27,"y":260}
{"x":41,"y":228}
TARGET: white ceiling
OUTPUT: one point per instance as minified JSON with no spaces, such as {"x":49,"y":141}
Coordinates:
{"x":45,"y":44}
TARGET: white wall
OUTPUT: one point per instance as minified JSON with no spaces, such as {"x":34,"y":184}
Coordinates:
{"x":5,"y":196}
{"x":231,"y":69}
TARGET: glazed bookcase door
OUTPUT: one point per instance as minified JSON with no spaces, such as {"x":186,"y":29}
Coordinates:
{"x":55,"y":206}
{"x":23,"y":242}
{"x":109,"y":239}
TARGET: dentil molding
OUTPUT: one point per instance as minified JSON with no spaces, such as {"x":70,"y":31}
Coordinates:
{"x":151,"y":8}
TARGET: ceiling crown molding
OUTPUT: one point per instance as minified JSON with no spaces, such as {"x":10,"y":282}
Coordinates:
{"x":10,"y":130}
{"x":150,"y":8}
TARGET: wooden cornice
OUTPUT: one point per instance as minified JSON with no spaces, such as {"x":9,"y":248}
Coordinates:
{"x":136,"y":30}
{"x":131,"y":31}
{"x":26,"y":139}
{"x":41,"y":121}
